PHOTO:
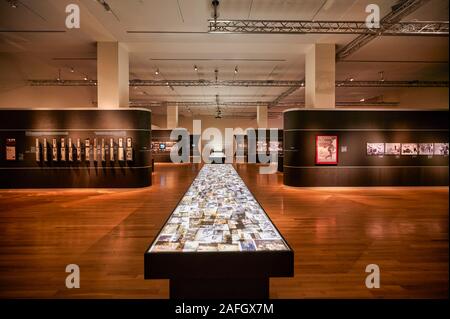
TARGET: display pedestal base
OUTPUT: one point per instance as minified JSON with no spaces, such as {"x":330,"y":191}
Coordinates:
{"x":219,"y":288}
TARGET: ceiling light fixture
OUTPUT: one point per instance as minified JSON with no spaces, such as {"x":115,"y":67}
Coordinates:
{"x":351,"y":79}
{"x":157,"y":71}
{"x":85,"y":78}
{"x":195,"y":68}
{"x":59,"y":75}
{"x":236,"y":69}
{"x":381,"y":76}
{"x":13,"y":4}
{"x":72,"y":70}
{"x":362,"y":100}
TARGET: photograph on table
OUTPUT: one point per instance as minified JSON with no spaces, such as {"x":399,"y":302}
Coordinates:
{"x":218,"y":213}
{"x":326,"y":149}
{"x":410,"y":149}
{"x":426,"y":149}
{"x":392,"y":148}
{"x":441,"y":149}
{"x":375,"y":149}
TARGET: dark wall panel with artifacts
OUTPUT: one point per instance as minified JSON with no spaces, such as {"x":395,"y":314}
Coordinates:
{"x":365,"y":147}
{"x":75,"y":148}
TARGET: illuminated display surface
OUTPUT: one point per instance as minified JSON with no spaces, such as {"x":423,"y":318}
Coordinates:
{"x":218,"y":213}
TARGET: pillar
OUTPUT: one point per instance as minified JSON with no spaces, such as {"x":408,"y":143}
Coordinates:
{"x":320,"y":71}
{"x":172,"y":116}
{"x":261,"y":116}
{"x":112,"y":75}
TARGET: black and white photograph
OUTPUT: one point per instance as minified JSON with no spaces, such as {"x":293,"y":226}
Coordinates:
{"x":441,"y":149}
{"x":410,"y":149}
{"x":392,"y":148}
{"x":426,"y":148}
{"x":375,"y":149}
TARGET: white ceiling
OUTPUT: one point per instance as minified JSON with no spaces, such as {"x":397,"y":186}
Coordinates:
{"x":175,"y":38}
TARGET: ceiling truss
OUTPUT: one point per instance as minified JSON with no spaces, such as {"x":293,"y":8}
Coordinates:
{"x":415,"y":28}
{"x":244,"y":83}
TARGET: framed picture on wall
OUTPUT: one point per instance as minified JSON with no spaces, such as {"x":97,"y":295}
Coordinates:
{"x":392,"y":148}
{"x":375,"y":149}
{"x":426,"y":149}
{"x":441,"y":149}
{"x":410,"y":149}
{"x":326,"y":149}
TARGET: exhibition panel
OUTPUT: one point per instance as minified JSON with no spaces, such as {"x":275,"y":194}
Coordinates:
{"x":365,"y":147}
{"x":218,"y":227}
{"x":75,"y":148}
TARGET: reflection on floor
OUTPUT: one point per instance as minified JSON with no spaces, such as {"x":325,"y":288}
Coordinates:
{"x":335,"y":233}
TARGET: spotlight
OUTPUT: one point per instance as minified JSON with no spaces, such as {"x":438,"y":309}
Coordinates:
{"x":195,"y":68}
{"x":72,"y":70}
{"x":85,"y":78}
{"x":235,"y":69}
{"x":351,"y":79}
{"x":362,"y":100}
{"x":157,"y":71}
{"x":12,"y":3}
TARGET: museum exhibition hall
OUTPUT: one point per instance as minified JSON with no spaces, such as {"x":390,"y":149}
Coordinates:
{"x":245,"y":149}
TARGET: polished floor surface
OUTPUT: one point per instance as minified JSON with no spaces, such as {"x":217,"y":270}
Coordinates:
{"x":335,"y":233}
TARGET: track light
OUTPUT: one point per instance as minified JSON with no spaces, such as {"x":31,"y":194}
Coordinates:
{"x":12,"y":3}
{"x":195,"y":68}
{"x":362,"y":100}
{"x":235,"y":69}
{"x":351,"y":79}
{"x":381,"y":76}
{"x":85,"y":78}
{"x":72,"y":70}
{"x":157,"y":71}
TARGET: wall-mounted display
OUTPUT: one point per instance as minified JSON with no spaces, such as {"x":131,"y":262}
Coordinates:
{"x":10,"y":149}
{"x":392,"y":148}
{"x":326,"y":149}
{"x":44,"y":150}
{"x":70,"y":149}
{"x":375,"y":148}
{"x":426,"y":148}
{"x":54,"y":150}
{"x":103,"y":151}
{"x":129,"y":151}
{"x":441,"y":149}
{"x":120,"y":150}
{"x":37,"y":150}
{"x":218,"y":213}
{"x":63,"y":149}
{"x":95,"y":150}
{"x":111,"y":150}
{"x":410,"y":149}
{"x":78,"y":150}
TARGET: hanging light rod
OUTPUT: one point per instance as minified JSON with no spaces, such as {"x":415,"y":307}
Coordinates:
{"x":414,"y":28}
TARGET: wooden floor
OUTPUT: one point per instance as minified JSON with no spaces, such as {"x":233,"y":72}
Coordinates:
{"x":335,"y":233}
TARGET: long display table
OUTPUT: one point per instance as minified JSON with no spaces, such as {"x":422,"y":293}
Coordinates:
{"x":218,"y":242}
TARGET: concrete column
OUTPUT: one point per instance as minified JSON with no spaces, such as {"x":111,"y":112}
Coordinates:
{"x":320,"y":76}
{"x":261,"y":116}
{"x":172,"y":116}
{"x":112,"y":75}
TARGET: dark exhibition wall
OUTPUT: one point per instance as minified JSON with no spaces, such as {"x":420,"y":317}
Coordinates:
{"x":365,"y":147}
{"x":75,"y":148}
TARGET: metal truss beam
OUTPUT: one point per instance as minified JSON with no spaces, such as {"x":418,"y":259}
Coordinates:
{"x":416,"y":28}
{"x":293,"y":85}
{"x":391,"y":23}
{"x":144,"y":103}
